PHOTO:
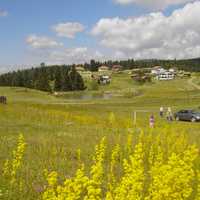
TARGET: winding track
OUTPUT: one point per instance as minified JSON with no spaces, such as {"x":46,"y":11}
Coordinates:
{"x":190,"y":82}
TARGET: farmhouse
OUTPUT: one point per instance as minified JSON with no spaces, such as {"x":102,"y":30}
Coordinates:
{"x":142,"y":78}
{"x":117,"y":68}
{"x":157,"y":70}
{"x":172,"y":70}
{"x":103,"y":68}
{"x":187,"y":74}
{"x":183,"y":74}
{"x":162,"y":74}
{"x":135,"y":70}
{"x":165,"y":76}
{"x":86,"y":74}
{"x":104,"y":79}
{"x":80,"y":69}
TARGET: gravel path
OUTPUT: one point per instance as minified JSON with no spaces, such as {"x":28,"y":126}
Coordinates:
{"x":190,"y":82}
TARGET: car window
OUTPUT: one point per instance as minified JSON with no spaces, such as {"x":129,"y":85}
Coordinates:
{"x":183,"y":111}
{"x":194,"y":112}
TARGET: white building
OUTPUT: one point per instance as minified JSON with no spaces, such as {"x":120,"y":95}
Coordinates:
{"x":103,"y":69}
{"x":157,"y":70}
{"x":104,"y":79}
{"x":172,"y":70}
{"x":165,"y":76}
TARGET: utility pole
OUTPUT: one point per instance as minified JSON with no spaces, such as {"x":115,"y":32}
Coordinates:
{"x":135,"y":118}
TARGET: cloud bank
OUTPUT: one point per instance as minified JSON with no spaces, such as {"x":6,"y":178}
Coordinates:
{"x":42,"y":42}
{"x":154,"y":35}
{"x":68,"y":29}
{"x":154,"y":4}
{"x":73,"y":55}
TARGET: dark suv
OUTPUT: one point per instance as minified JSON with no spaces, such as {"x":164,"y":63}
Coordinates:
{"x":187,"y":115}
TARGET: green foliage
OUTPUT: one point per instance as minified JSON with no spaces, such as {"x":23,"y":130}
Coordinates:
{"x":187,"y":65}
{"x":93,"y":85}
{"x":49,"y":79}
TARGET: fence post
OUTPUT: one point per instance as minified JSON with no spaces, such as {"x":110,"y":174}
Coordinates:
{"x":135,"y":118}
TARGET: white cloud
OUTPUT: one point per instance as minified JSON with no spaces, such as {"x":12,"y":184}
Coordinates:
{"x":155,"y":4}
{"x":3,"y":13}
{"x":14,"y":67}
{"x":68,"y":29}
{"x":73,"y":55}
{"x":154,"y":35}
{"x":3,"y":69}
{"x":40,"y":42}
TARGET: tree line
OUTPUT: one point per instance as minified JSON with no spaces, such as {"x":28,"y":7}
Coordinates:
{"x":191,"y":65}
{"x":45,"y":78}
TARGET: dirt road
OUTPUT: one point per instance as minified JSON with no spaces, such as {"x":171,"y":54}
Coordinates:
{"x":190,"y":82}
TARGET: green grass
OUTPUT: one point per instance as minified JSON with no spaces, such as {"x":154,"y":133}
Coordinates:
{"x":55,"y":127}
{"x":197,"y":79}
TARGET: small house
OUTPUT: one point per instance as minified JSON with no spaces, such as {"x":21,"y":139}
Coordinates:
{"x":165,"y":76}
{"x":104,"y":79}
{"x":187,"y":74}
{"x":157,"y":70}
{"x":80,"y":69}
{"x":103,"y":68}
{"x":183,"y":74}
{"x":172,"y":70}
{"x":142,"y":78}
{"x":117,"y":68}
{"x":86,"y":74}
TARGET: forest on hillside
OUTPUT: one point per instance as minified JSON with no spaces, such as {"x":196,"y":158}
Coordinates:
{"x":45,"y":78}
{"x":191,"y":65}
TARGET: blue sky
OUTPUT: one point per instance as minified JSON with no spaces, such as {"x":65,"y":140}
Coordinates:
{"x":98,"y":38}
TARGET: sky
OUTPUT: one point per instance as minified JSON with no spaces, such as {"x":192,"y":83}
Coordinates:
{"x":75,"y":31}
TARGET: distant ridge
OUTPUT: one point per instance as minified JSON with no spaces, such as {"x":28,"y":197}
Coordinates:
{"x":190,"y":64}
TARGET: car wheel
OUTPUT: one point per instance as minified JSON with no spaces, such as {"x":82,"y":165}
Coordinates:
{"x":177,"y":118}
{"x":193,"y":119}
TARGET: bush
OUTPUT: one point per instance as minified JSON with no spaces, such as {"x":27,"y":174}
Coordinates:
{"x":93,"y":85}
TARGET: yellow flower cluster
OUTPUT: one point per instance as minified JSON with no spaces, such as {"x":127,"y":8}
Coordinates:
{"x":72,"y":189}
{"x":111,"y":176}
{"x":132,"y":183}
{"x":129,"y":143}
{"x":198,"y":186}
{"x":12,"y":166}
{"x":94,"y":190}
{"x":154,"y":170}
{"x":13,"y":181}
{"x":80,"y":186}
{"x":173,"y":180}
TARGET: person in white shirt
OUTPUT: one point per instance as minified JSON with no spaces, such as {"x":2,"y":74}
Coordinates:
{"x":161,"y":111}
{"x":169,"y":114}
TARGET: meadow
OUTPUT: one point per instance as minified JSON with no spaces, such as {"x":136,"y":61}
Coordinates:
{"x":48,"y":143}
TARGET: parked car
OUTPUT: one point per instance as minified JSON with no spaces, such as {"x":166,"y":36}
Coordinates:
{"x":187,"y":115}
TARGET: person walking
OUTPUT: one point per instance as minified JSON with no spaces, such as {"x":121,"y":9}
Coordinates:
{"x":151,"y":121}
{"x":161,"y":111}
{"x":169,"y":114}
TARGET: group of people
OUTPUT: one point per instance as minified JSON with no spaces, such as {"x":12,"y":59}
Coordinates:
{"x":169,"y":116}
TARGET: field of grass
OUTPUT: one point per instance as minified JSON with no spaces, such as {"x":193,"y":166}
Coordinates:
{"x":197,"y":79}
{"x":54,"y":128}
